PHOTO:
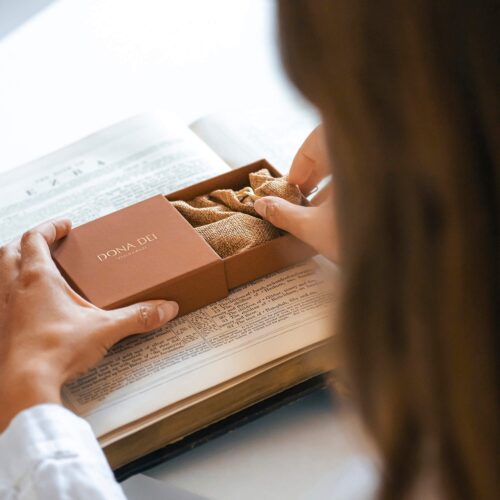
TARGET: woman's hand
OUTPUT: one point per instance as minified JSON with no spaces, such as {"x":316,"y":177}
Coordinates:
{"x":314,"y":225}
{"x":48,"y":333}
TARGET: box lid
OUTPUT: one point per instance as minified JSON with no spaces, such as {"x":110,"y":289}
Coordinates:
{"x":132,"y":250}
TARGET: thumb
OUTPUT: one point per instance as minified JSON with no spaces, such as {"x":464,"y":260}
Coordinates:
{"x":285,"y":215}
{"x":140,"y":318}
{"x":313,"y":225}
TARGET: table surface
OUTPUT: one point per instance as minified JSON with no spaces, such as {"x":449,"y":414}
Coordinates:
{"x":79,"y":65}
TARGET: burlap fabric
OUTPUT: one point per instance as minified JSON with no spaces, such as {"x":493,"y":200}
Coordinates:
{"x":227,"y":220}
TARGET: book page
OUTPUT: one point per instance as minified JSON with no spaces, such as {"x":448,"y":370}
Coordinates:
{"x":258,"y":323}
{"x":241,"y":137}
{"x":114,"y":168}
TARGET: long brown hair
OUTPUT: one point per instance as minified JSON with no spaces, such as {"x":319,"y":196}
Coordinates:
{"x":408,"y":91}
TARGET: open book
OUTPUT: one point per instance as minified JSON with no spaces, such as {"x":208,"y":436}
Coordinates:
{"x":154,"y":389}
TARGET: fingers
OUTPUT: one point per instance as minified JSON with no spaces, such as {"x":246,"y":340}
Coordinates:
{"x":313,"y":225}
{"x":311,"y":163}
{"x":285,"y":215}
{"x":35,"y":243}
{"x":10,"y":259}
{"x":139,"y":318}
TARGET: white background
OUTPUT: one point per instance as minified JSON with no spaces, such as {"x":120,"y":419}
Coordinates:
{"x":79,"y":65}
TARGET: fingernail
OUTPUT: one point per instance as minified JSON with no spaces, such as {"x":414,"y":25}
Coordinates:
{"x":260,"y":206}
{"x":168,"y":311}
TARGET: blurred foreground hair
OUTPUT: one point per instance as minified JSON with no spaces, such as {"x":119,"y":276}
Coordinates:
{"x":409,"y":95}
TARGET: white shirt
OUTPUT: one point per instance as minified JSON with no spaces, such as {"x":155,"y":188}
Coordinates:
{"x":47,"y":452}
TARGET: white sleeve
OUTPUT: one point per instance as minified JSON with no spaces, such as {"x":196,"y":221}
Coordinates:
{"x":49,"y":452}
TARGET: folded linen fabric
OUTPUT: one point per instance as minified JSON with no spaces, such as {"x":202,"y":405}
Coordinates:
{"x":227,"y":220}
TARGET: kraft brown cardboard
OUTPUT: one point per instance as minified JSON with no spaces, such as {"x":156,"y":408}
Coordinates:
{"x":149,"y":251}
{"x":145,"y":251}
{"x":263,"y":259}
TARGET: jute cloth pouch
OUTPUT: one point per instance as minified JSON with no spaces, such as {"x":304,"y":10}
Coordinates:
{"x":227,"y":220}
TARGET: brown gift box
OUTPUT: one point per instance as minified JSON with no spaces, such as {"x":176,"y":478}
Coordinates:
{"x":149,"y":251}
